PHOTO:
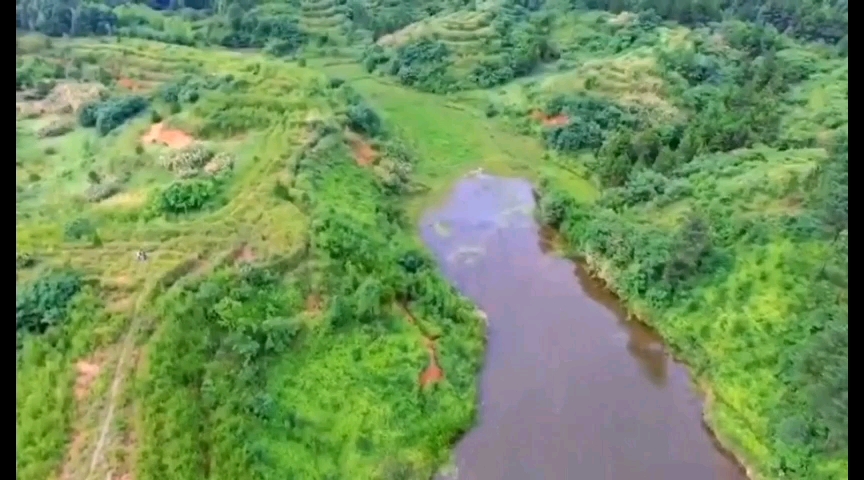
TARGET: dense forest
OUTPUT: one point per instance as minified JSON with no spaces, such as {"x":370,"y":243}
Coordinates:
{"x":280,"y":308}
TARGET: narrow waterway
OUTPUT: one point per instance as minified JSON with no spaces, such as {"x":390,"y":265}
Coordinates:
{"x":570,"y":389}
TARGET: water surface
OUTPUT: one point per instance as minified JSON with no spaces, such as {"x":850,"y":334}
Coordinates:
{"x":570,"y":389}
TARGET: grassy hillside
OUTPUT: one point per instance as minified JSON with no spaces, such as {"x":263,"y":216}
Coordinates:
{"x":217,"y":268}
{"x":150,"y":352}
{"x":723,"y":222}
{"x":273,"y":291}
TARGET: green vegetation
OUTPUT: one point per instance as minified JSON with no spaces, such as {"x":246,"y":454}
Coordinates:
{"x":458,"y":50}
{"x":43,"y":303}
{"x":245,"y":303}
{"x":726,"y":229}
{"x":238,"y":265}
{"x":110,"y":114}
{"x":186,"y":196}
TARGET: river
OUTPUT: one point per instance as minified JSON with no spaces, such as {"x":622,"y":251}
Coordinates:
{"x":570,"y":389}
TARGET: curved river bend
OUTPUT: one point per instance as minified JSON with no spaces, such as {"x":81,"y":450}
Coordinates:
{"x":570,"y":389}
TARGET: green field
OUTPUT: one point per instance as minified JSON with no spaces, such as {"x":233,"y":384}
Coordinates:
{"x":218,"y":271}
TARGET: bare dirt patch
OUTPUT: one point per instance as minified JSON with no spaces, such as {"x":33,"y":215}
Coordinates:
{"x":244,"y":254}
{"x":76,"y":450}
{"x":130,"y":84}
{"x":550,"y":121}
{"x":433,"y":372}
{"x":314,"y":303}
{"x":623,"y":18}
{"x":65,"y":97}
{"x":363,"y":152}
{"x":87,"y":373}
{"x":171,"y":138}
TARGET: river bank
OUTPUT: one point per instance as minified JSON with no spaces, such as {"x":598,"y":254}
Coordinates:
{"x":568,"y":384}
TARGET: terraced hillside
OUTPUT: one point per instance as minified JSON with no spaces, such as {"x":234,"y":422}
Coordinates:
{"x":119,"y":230}
{"x":218,"y":274}
{"x":324,"y":19}
{"x":487,"y":46}
{"x":463,"y":31}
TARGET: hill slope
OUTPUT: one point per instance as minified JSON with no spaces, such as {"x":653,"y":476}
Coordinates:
{"x":214,"y":238}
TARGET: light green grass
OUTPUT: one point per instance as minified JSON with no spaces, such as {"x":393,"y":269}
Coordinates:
{"x":448,"y":138}
{"x":51,"y":188}
{"x":452,"y":138}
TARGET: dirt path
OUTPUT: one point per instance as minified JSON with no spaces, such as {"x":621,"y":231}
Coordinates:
{"x":120,"y":371}
{"x":433,"y":372}
{"x":125,"y":351}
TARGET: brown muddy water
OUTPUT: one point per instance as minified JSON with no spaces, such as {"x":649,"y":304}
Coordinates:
{"x":570,"y":389}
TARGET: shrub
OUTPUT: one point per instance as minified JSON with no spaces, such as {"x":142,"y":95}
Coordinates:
{"x":597,"y":119}
{"x":88,"y":114}
{"x":44,"y":87}
{"x":114,"y":113}
{"x":110,"y":114}
{"x":78,"y":229}
{"x":187,"y":196}
{"x":43,"y":303}
{"x":363,"y":119}
{"x":24,"y":260}
{"x":281,"y":191}
{"x":33,"y":72}
{"x":423,"y":65}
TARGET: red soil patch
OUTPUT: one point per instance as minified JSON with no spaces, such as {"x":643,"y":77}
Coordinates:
{"x":364,"y":154}
{"x":166,"y":136}
{"x":547,"y":121}
{"x":134,"y":85}
{"x":433,"y":372}
{"x":129,"y":84}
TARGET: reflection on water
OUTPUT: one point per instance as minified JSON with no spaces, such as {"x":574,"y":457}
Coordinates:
{"x":570,"y":388}
{"x":643,"y":343}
